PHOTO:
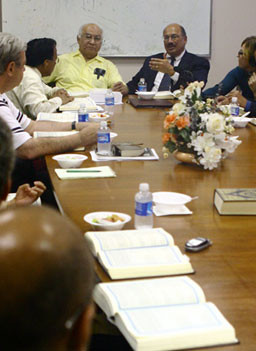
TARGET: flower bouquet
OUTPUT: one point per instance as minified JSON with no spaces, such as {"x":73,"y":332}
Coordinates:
{"x":199,"y":128}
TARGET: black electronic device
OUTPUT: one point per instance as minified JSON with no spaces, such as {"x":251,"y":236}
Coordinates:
{"x":99,"y":72}
{"x":197,"y":244}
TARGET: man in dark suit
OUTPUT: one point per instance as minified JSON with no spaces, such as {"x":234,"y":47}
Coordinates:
{"x":175,"y":68}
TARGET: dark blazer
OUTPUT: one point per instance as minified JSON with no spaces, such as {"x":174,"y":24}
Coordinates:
{"x":190,"y":68}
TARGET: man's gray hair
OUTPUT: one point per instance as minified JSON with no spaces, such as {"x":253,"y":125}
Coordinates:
{"x":10,"y":49}
{"x":6,"y":155}
{"x":80,"y":32}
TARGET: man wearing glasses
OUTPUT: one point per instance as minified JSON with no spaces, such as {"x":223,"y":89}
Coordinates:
{"x":174,"y":68}
{"x":84,"y":69}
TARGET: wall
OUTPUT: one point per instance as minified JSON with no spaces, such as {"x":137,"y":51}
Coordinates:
{"x":232,"y":21}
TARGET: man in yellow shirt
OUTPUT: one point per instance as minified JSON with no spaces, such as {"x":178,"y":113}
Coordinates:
{"x":84,"y":69}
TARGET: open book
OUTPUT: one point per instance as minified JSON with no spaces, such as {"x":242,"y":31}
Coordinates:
{"x":164,"y":314}
{"x":138,"y":253}
{"x":57,"y":117}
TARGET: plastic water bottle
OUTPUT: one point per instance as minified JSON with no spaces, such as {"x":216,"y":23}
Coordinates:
{"x":234,"y":108}
{"x":143,"y":207}
{"x":109,"y":102}
{"x":142,"y":85}
{"x":103,"y":138}
{"x":83,"y":114}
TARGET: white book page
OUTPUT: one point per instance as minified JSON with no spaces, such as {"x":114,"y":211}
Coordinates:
{"x":130,"y":239}
{"x":44,"y":134}
{"x":57,"y":117}
{"x":182,"y":326}
{"x":146,"y":293}
{"x":145,"y":262}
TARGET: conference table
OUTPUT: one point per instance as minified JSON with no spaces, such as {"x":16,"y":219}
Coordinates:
{"x":226,"y":271}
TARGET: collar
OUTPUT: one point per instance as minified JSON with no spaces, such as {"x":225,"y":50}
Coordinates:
{"x":27,"y":68}
{"x":177,"y":58}
{"x":96,"y":58}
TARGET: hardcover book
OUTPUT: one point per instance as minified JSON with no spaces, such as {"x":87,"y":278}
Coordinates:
{"x":240,"y":201}
{"x":164,"y":314}
{"x":138,"y":253}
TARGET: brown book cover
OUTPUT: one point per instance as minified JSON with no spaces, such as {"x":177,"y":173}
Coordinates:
{"x":134,"y":101}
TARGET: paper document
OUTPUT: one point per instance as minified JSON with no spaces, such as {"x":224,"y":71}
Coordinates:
{"x":83,"y":173}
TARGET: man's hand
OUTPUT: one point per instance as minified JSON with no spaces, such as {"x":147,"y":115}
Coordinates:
{"x":252,"y":84}
{"x":240,"y":99}
{"x":121,"y":87}
{"x":63,"y":94}
{"x":222,"y":100}
{"x":88,"y":134}
{"x":26,"y":195}
{"x":162,"y":65}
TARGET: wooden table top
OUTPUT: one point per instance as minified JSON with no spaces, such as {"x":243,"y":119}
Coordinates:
{"x":227,"y":270}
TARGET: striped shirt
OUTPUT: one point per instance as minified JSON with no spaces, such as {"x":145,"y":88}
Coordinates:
{"x":16,"y":121}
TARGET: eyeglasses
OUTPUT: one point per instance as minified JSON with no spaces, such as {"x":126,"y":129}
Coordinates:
{"x":89,"y":37}
{"x":172,"y":36}
{"x":240,"y":53}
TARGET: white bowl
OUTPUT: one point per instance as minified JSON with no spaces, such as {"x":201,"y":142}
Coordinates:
{"x":97,"y":117}
{"x":70,"y":160}
{"x":240,"y":122}
{"x":103,"y":224}
{"x":145,"y":95}
{"x":164,"y":199}
{"x":113,"y":135}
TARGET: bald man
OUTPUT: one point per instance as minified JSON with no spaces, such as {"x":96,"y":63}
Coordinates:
{"x":47,"y":281}
{"x":84,"y":69}
{"x":174,"y":68}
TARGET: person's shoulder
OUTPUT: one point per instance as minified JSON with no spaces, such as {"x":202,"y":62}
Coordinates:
{"x":68,"y":56}
{"x":194,"y":57}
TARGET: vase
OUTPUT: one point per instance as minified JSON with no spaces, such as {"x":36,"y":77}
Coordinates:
{"x":184,"y":157}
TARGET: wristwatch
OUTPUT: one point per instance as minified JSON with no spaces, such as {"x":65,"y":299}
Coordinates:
{"x":73,"y":125}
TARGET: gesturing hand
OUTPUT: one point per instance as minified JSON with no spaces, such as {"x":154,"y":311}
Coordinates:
{"x":26,"y":195}
{"x":161,"y":65}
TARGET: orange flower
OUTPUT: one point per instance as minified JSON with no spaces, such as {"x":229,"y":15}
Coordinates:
{"x":166,"y":137}
{"x":182,"y":122}
{"x":169,"y":119}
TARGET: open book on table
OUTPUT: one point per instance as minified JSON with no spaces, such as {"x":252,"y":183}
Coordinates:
{"x":75,"y":105}
{"x":164,"y":314}
{"x":138,"y":253}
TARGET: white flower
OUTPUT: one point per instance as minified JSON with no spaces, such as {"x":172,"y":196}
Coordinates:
{"x":202,"y":142}
{"x":192,"y":88}
{"x":179,"y":108}
{"x":210,"y":158}
{"x":215,"y":123}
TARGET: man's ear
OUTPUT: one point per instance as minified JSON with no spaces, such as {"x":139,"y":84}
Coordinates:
{"x":10,"y":69}
{"x":81,"y":332}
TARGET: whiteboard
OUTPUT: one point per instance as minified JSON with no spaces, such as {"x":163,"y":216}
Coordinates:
{"x":130,"y":27}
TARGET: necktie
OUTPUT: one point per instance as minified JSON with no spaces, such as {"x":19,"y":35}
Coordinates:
{"x":166,"y":83}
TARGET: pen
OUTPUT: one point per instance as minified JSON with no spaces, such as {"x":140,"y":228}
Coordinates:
{"x":80,"y":171}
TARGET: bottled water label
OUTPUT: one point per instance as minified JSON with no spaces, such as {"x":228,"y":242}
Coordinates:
{"x":103,"y":138}
{"x":83,"y":117}
{"x":142,"y":87}
{"x":143,"y":208}
{"x":234,"y":110}
{"x":109,"y":101}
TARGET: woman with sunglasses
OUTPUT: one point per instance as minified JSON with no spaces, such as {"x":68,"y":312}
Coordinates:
{"x":241,"y":77}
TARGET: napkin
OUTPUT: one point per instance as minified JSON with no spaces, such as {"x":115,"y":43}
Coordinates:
{"x":172,"y":211}
{"x":82,"y":173}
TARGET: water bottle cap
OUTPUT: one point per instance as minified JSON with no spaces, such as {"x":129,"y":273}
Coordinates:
{"x":144,"y":187}
{"x":103,"y":124}
{"x":234,"y":99}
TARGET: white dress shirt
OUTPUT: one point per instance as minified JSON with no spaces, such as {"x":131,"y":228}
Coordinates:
{"x":174,"y":77}
{"x":33,"y":95}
